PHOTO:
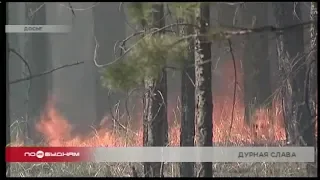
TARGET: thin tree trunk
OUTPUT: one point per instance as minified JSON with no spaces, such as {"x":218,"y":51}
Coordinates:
{"x":282,"y":12}
{"x":314,"y":57}
{"x":257,"y":84}
{"x":155,"y":104}
{"x":293,"y":70}
{"x":8,"y":123}
{"x":146,"y":100}
{"x":203,"y":110}
{"x":187,"y":127}
{"x":37,"y":48}
{"x":313,"y":84}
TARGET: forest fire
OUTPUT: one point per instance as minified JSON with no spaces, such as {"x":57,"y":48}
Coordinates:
{"x":56,"y":129}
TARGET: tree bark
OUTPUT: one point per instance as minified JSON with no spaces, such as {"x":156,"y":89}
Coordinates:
{"x":155,"y":111}
{"x":203,"y":109}
{"x":187,"y":128}
{"x":257,"y":84}
{"x":313,"y":84}
{"x":314,"y":57}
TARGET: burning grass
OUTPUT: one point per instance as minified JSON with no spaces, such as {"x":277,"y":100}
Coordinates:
{"x":57,"y":131}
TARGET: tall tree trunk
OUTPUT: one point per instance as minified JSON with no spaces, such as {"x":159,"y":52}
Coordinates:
{"x":203,"y":110}
{"x":145,"y":101}
{"x":8,"y":123}
{"x":314,"y":58}
{"x":313,"y":84}
{"x":17,"y":70}
{"x":187,"y":127}
{"x":293,"y":71}
{"x":155,"y":104}
{"x":257,"y":85}
{"x":105,"y":14}
{"x":37,"y":48}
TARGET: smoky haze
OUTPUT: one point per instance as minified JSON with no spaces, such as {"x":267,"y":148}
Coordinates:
{"x":77,"y":90}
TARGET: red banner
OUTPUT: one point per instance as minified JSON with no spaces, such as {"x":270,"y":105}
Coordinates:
{"x":47,"y":154}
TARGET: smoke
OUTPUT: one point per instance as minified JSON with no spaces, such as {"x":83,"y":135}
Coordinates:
{"x":57,"y":131}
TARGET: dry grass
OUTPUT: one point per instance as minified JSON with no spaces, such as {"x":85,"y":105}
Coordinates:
{"x":171,"y":169}
{"x":116,"y":137}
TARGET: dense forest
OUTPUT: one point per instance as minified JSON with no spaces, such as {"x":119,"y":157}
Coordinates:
{"x":163,"y":74}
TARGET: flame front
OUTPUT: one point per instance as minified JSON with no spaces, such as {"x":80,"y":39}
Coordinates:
{"x":57,"y":131}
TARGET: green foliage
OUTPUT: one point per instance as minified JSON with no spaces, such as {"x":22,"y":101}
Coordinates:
{"x":149,"y":55}
{"x":147,"y":58}
{"x":120,"y":76}
{"x":183,"y":10}
{"x":140,"y":12}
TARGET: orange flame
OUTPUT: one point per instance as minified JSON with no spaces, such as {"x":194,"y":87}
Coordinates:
{"x":57,"y":131}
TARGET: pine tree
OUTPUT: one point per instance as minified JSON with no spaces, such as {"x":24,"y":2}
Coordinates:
{"x":203,"y":110}
{"x":143,"y":66}
{"x":155,"y":99}
{"x":187,"y":128}
{"x":314,"y":56}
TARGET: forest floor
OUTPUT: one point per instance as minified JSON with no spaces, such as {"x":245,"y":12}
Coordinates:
{"x":121,"y":139}
{"x":171,"y":169}
{"x":91,"y":169}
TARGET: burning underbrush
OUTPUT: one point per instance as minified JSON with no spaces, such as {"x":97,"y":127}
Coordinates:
{"x":268,"y":129}
{"x":57,"y":132}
